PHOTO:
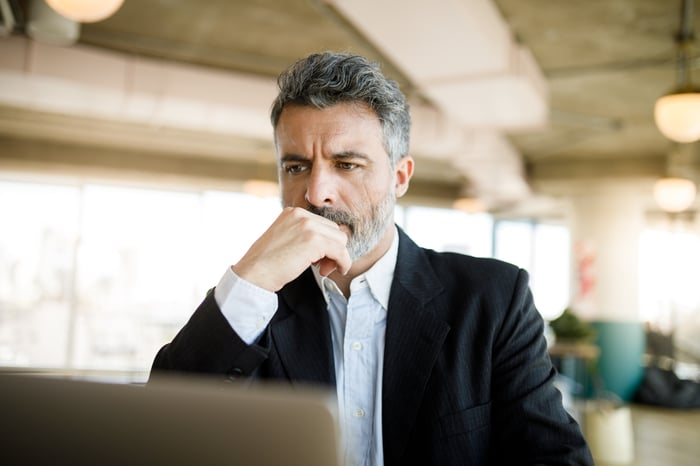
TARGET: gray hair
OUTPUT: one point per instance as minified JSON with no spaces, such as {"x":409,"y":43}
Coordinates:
{"x":322,"y":80}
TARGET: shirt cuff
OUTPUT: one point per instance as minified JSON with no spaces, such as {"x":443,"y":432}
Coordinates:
{"x":246,"y":307}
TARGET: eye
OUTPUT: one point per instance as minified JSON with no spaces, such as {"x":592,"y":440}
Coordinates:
{"x":346,"y":165}
{"x":294,"y":168}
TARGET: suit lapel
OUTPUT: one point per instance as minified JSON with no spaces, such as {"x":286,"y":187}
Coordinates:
{"x":414,"y":336}
{"x":302,"y":335}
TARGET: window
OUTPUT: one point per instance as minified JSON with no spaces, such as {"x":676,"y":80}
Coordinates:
{"x":37,"y":255}
{"x":668,"y":277}
{"x":95,"y":276}
{"x":449,"y":230}
{"x":98,"y":276}
{"x":544,"y":251}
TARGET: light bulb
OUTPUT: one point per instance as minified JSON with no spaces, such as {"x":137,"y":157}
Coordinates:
{"x":261,"y":188}
{"x":678,"y":116}
{"x":85,"y":11}
{"x":674,"y":194}
{"x":470,"y":205}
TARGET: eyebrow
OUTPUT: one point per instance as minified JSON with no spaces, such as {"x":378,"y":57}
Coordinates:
{"x":350,"y":154}
{"x":293,"y":158}
{"x":342,"y":155}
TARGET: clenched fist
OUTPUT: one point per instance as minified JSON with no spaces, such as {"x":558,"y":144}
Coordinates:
{"x":295,"y":240}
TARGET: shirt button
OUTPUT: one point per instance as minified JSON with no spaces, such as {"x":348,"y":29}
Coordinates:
{"x":260,"y":323}
{"x":357,"y":346}
{"x":359,"y":412}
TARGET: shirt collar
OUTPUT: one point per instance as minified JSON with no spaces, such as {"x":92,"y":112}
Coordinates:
{"x":378,"y":278}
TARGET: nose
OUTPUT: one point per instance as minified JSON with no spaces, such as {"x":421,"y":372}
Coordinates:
{"x":320,"y":188}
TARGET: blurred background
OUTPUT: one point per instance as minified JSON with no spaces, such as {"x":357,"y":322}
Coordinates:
{"x":136,"y":159}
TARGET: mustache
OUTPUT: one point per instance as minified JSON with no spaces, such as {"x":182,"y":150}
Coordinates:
{"x":336,"y":216}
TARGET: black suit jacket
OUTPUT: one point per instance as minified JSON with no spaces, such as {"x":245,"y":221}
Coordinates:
{"x":467,"y":379}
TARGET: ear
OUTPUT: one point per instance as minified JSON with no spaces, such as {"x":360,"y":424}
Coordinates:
{"x":403,"y":172}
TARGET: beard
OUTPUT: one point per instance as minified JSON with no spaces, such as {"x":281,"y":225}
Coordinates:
{"x":365,"y":232}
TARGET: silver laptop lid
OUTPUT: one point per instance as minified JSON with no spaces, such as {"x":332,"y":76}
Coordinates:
{"x":169,"y":422}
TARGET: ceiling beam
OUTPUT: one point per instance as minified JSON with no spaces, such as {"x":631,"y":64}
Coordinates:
{"x":582,"y":169}
{"x":462,"y":55}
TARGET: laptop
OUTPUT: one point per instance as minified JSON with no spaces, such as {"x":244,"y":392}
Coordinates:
{"x":172,"y":421}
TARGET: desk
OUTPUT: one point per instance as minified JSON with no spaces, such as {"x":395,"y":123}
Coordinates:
{"x":576,"y":360}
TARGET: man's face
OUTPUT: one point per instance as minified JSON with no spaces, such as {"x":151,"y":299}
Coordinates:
{"x":333,"y":163}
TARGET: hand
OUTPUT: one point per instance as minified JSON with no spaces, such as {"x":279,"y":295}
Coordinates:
{"x":295,"y":240}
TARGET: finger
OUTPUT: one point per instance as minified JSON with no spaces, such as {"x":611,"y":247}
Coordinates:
{"x":327,"y":266}
{"x":338,"y":253}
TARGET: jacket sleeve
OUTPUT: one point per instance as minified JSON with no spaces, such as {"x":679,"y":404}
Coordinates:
{"x":208,"y":345}
{"x":531,"y":424}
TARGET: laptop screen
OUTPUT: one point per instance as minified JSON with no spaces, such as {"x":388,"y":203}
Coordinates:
{"x":169,"y":422}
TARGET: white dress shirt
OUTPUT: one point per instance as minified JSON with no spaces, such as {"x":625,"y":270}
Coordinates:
{"x":358,"y":327}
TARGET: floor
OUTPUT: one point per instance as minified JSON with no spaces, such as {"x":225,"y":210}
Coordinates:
{"x":664,"y":437}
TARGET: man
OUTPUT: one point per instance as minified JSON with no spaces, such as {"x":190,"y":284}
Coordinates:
{"x":437,"y":358}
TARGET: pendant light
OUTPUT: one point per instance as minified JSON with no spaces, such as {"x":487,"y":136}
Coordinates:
{"x":468,"y":200}
{"x":674,"y":194}
{"x":677,"y":114}
{"x":86,"y":11}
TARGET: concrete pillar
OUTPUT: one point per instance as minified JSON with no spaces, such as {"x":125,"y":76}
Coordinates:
{"x":606,"y":224}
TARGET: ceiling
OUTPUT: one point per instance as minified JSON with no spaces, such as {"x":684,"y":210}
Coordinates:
{"x":604,"y":63}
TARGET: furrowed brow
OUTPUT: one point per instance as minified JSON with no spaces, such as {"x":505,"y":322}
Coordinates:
{"x":293,"y":158}
{"x":350,"y":154}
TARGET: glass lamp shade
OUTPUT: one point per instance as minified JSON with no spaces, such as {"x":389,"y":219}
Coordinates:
{"x":85,"y":11}
{"x":261,"y":188}
{"x":677,"y":116}
{"x":470,"y":205}
{"x":674,"y":194}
